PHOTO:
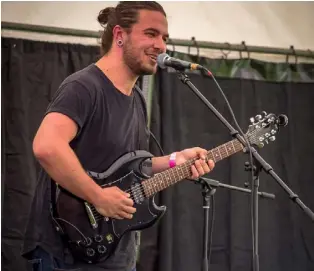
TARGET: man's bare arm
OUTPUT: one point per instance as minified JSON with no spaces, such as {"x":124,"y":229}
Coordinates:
{"x":51,"y":148}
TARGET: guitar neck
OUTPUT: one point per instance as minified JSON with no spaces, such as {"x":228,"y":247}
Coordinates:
{"x":173,"y":175}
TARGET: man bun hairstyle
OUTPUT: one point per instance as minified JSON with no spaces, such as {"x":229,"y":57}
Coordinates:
{"x":124,"y":14}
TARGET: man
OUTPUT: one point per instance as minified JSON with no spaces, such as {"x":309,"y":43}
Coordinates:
{"x":96,"y":116}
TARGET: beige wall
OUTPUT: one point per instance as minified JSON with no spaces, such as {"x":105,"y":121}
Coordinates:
{"x":274,"y":24}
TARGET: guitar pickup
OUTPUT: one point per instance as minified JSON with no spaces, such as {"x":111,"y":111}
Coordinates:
{"x":137,"y":193}
{"x":91,"y":216}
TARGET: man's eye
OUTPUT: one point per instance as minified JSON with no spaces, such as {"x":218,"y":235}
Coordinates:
{"x":150,"y":34}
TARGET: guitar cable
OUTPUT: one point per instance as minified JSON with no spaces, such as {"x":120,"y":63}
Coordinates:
{"x":156,"y":141}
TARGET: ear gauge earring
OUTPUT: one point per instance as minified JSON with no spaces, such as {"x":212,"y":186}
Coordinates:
{"x":120,"y":43}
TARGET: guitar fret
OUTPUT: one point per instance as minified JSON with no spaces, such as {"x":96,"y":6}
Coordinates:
{"x":182,"y":173}
{"x":228,"y":144}
{"x":219,"y":153}
{"x":163,"y":183}
{"x":227,"y":154}
{"x":222,"y":152}
{"x":216,"y":154}
{"x":152,"y":187}
{"x":233,"y":146}
{"x":157,"y":186}
{"x":213,"y":156}
{"x":166,"y":179}
{"x":174,"y":173}
{"x":154,"y":190}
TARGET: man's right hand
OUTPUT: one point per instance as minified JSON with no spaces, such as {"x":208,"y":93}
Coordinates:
{"x":115,"y":203}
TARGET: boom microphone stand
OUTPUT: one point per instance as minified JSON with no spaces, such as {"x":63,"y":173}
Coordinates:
{"x":259,"y":161}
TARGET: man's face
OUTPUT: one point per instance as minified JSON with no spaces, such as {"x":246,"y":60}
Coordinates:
{"x":145,"y":42}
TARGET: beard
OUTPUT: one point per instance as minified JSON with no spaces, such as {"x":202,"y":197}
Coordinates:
{"x":134,"y":62}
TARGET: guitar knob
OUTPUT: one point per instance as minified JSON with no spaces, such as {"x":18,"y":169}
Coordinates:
{"x":102,"y":249}
{"x":252,"y":120}
{"x":98,"y":238}
{"x":258,"y":117}
{"x":81,"y":243}
{"x":273,"y":131}
{"x":264,"y":113}
{"x":90,"y":252}
{"x":88,"y":241}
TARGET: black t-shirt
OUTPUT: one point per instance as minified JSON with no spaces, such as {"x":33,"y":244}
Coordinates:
{"x":110,"y":124}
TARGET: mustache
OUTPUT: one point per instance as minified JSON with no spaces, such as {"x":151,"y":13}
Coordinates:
{"x":155,"y":52}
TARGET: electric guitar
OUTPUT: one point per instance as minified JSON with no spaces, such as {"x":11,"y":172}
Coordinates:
{"x":92,"y":237}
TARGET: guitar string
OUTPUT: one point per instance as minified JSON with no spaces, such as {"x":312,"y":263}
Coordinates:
{"x":137,"y":191}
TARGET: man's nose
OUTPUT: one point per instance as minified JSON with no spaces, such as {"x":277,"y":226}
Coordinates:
{"x":161,"y":45}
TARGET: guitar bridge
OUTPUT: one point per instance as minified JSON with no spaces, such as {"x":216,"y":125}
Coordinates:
{"x":137,"y":193}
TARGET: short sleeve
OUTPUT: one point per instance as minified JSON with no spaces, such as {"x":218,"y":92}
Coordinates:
{"x":73,"y":100}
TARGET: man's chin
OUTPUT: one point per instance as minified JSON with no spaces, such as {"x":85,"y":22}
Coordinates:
{"x":148,"y":70}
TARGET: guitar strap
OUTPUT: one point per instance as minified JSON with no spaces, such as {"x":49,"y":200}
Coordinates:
{"x":139,"y":91}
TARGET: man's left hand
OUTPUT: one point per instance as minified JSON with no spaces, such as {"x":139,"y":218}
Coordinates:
{"x":200,"y":167}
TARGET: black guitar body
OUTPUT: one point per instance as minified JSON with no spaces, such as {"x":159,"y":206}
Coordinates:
{"x":92,"y":237}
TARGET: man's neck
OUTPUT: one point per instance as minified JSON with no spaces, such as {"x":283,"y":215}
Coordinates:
{"x":118,"y":73}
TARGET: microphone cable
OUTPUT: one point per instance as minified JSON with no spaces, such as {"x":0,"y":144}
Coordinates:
{"x":207,"y":72}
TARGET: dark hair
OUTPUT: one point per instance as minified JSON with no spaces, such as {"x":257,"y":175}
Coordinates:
{"x":124,"y":14}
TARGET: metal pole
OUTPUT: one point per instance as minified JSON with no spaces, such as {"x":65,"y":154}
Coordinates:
{"x":50,"y":30}
{"x":175,"y":42}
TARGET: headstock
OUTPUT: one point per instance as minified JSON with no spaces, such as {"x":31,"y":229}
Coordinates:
{"x":264,"y":127}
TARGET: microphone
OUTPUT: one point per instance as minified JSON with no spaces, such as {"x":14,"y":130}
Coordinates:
{"x":164,"y":60}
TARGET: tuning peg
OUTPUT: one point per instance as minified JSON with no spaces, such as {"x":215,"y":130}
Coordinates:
{"x":264,"y":113}
{"x":273,"y":131}
{"x":258,"y":117}
{"x":252,"y":120}
{"x":272,"y":138}
{"x":267,"y":135}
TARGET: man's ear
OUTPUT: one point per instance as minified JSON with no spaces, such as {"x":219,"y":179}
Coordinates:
{"x":118,"y":33}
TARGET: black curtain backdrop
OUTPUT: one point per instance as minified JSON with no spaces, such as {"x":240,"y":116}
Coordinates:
{"x":31,"y":73}
{"x":180,"y":120}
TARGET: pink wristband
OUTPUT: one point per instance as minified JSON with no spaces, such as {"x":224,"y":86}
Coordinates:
{"x":172,"y":160}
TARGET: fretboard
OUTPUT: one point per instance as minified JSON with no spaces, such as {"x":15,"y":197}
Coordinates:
{"x":173,"y":175}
